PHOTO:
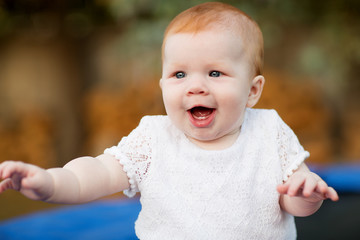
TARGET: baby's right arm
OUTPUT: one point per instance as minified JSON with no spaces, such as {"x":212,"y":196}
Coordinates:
{"x":81,"y":180}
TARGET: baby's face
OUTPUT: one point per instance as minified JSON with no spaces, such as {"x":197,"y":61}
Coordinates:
{"x":206,"y":81}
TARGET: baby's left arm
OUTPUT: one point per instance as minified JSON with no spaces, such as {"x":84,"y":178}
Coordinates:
{"x":303,"y":193}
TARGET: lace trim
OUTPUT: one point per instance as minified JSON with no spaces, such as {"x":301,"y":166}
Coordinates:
{"x":295,"y":165}
{"x":123,"y":160}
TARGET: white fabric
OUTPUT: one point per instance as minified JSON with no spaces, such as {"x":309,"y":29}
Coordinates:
{"x":191,"y":193}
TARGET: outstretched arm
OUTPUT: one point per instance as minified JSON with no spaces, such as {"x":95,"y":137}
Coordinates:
{"x":304,"y":192}
{"x":81,"y":180}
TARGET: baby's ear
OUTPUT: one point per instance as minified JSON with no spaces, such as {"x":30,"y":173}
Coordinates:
{"x":256,"y":88}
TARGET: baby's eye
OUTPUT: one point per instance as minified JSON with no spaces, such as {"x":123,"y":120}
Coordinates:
{"x":215,"y":74}
{"x":180,"y":74}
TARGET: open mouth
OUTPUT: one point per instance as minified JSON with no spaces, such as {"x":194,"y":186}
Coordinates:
{"x":201,"y":116}
{"x":201,"y":113}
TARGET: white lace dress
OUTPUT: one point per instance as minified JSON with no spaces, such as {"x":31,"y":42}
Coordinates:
{"x":191,"y":193}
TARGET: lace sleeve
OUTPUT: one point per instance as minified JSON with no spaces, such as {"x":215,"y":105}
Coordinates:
{"x":134,"y":154}
{"x":291,"y":153}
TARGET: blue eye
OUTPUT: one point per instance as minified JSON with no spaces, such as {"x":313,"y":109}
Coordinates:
{"x":180,"y":75}
{"x":215,"y":74}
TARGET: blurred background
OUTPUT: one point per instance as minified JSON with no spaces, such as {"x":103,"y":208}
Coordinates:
{"x":76,"y":76}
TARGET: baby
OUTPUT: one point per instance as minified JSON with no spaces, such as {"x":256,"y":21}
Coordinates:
{"x":213,"y":168}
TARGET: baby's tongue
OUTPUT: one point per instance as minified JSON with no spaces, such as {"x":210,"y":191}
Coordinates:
{"x":201,"y":112}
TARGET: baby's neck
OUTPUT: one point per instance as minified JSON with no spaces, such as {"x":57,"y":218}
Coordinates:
{"x":221,"y":143}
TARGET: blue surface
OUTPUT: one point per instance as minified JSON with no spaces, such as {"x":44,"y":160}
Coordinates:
{"x":107,"y":219}
{"x":115,"y":218}
{"x":344,"y":178}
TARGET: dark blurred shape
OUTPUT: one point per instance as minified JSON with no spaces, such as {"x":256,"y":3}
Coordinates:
{"x":334,"y":220}
{"x":76,"y":76}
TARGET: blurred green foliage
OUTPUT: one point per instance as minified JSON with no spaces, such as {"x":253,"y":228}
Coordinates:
{"x":315,"y":38}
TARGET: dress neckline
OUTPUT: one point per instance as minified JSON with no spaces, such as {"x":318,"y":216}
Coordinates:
{"x":193,"y":147}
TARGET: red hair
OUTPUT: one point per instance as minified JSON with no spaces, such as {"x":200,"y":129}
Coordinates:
{"x":208,"y":16}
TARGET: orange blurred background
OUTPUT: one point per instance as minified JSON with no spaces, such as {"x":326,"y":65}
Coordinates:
{"x":76,"y":76}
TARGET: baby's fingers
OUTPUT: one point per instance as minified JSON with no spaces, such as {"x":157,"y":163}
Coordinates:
{"x":12,"y":182}
{"x":9,"y":168}
{"x":293,"y":187}
{"x":311,"y":185}
{"x":296,"y":185}
{"x":326,"y":191}
{"x":283,"y":188}
{"x":5,"y":185}
{"x":12,"y":174}
{"x":3,"y":170}
{"x":332,"y":194}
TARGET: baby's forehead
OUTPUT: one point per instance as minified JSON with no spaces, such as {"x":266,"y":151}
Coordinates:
{"x":218,"y":17}
{"x":239,"y":25}
{"x":235,"y":36}
{"x":210,"y":38}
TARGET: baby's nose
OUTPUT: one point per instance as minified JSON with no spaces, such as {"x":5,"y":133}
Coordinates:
{"x":198,"y":85}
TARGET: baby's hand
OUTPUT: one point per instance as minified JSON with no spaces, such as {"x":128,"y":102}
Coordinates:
{"x":33,"y":182}
{"x":309,"y":186}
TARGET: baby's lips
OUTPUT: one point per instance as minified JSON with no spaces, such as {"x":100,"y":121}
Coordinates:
{"x":201,"y":118}
{"x":201,"y":113}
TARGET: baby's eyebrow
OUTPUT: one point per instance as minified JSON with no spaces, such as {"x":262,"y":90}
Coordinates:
{"x":218,"y":64}
{"x":175,"y":66}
